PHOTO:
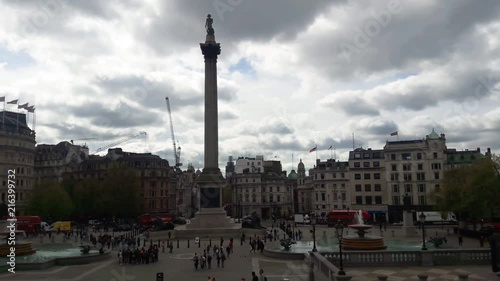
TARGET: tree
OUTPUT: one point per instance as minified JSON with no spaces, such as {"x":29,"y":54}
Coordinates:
{"x":50,"y":200}
{"x":470,"y":192}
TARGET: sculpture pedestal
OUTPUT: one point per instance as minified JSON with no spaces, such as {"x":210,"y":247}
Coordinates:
{"x":409,"y":228}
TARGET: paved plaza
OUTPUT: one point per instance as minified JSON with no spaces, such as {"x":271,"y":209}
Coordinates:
{"x":179,"y":266}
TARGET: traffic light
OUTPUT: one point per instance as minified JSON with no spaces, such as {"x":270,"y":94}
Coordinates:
{"x":159,"y":276}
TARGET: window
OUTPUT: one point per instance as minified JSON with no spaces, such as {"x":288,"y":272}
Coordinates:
{"x":407,"y":167}
{"x":435,"y":155}
{"x":271,"y":189}
{"x":437,"y":187}
{"x":394,"y":177}
{"x":393,"y":156}
{"x":357,"y":176}
{"x":376,"y":176}
{"x":359,"y":199}
{"x":323,"y":198}
{"x":408,"y":188}
{"x":358,"y":187}
{"x":357,"y":155}
{"x":378,"y":187}
{"x":396,"y":200}
{"x":420,"y":167}
{"x":368,"y":187}
{"x":420,"y":176}
{"x":436,"y":166}
{"x":343,"y":197}
{"x":394,"y":167}
{"x":277,"y":189}
{"x":419,"y":156}
{"x":395,"y":188}
{"x":407,"y":177}
{"x":436,"y":175}
{"x":421,"y":187}
{"x":405,"y":156}
{"x":254,"y":198}
{"x":271,"y":197}
{"x":342,"y":175}
{"x":378,"y":199}
{"x":357,"y":164}
{"x":376,"y":164}
{"x":368,"y":200}
{"x":367,"y":176}
{"x":366,"y":164}
{"x":278,"y":198}
{"x":317,"y":197}
{"x":421,"y":200}
{"x":322,"y":176}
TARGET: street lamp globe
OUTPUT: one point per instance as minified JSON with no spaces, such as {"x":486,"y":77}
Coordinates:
{"x":339,"y":229}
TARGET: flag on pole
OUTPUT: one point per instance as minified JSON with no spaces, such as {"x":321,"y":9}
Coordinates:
{"x":24,"y":106}
{"x":31,"y":109}
{"x":2,"y":99}
{"x":13,"y":102}
{"x":394,"y":133}
{"x":313,"y":149}
{"x":330,"y":147}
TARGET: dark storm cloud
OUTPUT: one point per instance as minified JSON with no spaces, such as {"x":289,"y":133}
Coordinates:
{"x":123,"y":116}
{"x":71,"y":131}
{"x":150,"y":94}
{"x":259,"y":20}
{"x":406,"y":38}
{"x":353,"y":106}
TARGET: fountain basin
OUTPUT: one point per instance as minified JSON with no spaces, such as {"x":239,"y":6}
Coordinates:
{"x":366,"y":243}
{"x":22,"y":249}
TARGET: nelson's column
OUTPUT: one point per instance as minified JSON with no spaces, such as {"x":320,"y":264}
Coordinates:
{"x":211,"y":182}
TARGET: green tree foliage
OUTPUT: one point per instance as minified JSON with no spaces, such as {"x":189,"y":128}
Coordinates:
{"x":470,"y":192}
{"x":50,"y":200}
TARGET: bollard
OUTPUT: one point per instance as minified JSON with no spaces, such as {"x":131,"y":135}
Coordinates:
{"x":392,"y":231}
{"x":382,"y":277}
{"x":188,"y":243}
{"x":422,"y":277}
{"x":463,"y":276}
{"x":177,"y":243}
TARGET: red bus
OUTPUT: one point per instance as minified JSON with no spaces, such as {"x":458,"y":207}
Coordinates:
{"x":345,"y":216}
{"x":146,"y":219}
{"x":28,"y":224}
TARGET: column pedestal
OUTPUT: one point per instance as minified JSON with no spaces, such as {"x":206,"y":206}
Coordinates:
{"x":409,"y":230}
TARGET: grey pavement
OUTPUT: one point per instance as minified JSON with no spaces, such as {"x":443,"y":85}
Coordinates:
{"x":179,"y":266}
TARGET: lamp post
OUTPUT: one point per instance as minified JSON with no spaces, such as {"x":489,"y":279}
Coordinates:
{"x":313,"y":231}
{"x":422,"y":222}
{"x":339,"y":229}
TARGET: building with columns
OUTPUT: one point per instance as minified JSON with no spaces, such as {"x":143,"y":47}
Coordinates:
{"x":368,"y":186}
{"x":304,"y":190}
{"x":17,"y":143}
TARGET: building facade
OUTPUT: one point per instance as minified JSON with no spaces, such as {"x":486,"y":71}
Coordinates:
{"x":368,"y":186}
{"x":414,"y":168}
{"x":330,"y":182}
{"x":265,"y":192}
{"x":52,"y":161}
{"x":304,"y":190}
{"x":157,"y":194}
{"x":17,"y":143}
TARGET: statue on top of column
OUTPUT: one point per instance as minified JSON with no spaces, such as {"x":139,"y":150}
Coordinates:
{"x":208,"y":25}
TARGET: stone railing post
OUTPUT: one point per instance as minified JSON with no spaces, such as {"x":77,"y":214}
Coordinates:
{"x":463,"y":277}
{"x":382,"y":277}
{"x":343,"y":278}
{"x":311,"y":271}
{"x":422,"y":277}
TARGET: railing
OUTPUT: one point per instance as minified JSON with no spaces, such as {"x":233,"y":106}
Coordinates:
{"x":412,"y":258}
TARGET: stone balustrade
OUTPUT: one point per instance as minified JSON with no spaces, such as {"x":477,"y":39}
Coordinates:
{"x":412,"y":258}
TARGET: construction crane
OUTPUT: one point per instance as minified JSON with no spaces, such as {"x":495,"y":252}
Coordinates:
{"x":129,"y":137}
{"x":72,"y":141}
{"x":177,"y":150}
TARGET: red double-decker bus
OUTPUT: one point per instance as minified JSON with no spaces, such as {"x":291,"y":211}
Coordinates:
{"x":146,"y":219}
{"x":345,"y":216}
{"x":28,"y":224}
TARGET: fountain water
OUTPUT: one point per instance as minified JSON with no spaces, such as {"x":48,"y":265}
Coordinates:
{"x":362,"y":242}
{"x":21,"y":247}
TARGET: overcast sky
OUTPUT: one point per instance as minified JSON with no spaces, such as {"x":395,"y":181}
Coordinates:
{"x":292,"y":74}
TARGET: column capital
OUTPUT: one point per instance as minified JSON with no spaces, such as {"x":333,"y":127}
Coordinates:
{"x":210,"y":50}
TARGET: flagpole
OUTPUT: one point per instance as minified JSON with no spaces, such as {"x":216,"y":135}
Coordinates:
{"x":334,"y":152}
{"x":292,"y":161}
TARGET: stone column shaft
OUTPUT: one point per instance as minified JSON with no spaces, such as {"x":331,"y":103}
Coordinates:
{"x":211,"y":115}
